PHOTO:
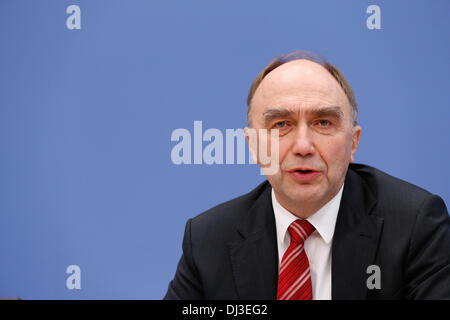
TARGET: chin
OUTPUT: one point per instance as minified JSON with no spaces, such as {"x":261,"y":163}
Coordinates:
{"x":306,"y":192}
{"x":309,"y":197}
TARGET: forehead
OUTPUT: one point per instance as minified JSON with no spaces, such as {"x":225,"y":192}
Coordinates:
{"x":298,"y":84}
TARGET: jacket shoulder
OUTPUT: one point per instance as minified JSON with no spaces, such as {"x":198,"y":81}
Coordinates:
{"x":229,"y":213}
{"x":392,"y":192}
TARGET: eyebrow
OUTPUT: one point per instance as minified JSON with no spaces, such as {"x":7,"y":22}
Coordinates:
{"x":325,"y":112}
{"x":322,"y":112}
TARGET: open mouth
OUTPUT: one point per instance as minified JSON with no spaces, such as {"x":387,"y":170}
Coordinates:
{"x":304,"y":171}
{"x":304,"y":175}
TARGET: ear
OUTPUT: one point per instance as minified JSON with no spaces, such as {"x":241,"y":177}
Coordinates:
{"x":355,"y":141}
{"x":252,"y":141}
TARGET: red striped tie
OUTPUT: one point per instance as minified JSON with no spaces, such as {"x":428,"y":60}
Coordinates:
{"x":294,"y":280}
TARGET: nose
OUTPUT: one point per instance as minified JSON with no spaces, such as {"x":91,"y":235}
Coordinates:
{"x":303,"y":144}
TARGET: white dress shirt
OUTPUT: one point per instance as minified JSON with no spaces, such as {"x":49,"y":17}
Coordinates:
{"x":317,"y":245}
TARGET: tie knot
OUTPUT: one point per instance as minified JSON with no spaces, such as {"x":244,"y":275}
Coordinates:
{"x":300,"y":230}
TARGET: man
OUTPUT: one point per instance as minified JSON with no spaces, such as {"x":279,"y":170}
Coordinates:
{"x":321,"y":227}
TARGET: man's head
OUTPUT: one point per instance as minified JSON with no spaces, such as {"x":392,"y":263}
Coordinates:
{"x":313,"y":107}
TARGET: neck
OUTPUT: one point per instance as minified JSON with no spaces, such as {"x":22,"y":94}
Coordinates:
{"x":303,"y":209}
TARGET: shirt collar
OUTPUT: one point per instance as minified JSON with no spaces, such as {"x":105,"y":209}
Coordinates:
{"x":324,"y":220}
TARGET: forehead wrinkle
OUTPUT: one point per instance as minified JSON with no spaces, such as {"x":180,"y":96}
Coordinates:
{"x":287,"y":111}
{"x":299,"y":99}
{"x":298,"y":86}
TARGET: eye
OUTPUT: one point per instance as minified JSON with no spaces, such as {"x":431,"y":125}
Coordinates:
{"x":324,"y":123}
{"x":280,"y":124}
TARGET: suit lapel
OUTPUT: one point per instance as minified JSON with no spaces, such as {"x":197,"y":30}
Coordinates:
{"x":254,"y":256}
{"x":355,"y":239}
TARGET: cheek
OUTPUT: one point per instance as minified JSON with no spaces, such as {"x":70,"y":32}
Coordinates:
{"x":335,"y":152}
{"x":283,"y":149}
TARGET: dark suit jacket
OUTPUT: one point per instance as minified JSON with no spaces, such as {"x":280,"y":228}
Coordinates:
{"x":230,"y":251}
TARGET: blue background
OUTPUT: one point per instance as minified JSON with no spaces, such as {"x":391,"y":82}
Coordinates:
{"x":86,"y":117}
